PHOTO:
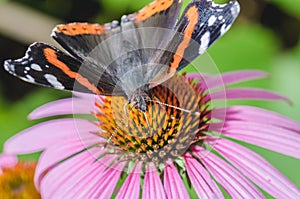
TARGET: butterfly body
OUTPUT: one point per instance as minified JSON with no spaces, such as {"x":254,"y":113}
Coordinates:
{"x":129,"y":59}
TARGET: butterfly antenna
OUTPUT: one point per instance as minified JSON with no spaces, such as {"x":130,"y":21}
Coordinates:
{"x":147,"y":121}
{"x":126,"y":113}
{"x":107,"y":142}
{"x":175,"y":107}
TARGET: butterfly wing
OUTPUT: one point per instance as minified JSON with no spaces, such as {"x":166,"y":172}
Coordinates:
{"x":200,"y":25}
{"x":45,"y":65}
{"x":159,"y":13}
{"x":90,"y":67}
{"x":110,"y":46}
{"x":106,"y":66}
{"x":213,"y":21}
{"x":79,"y":39}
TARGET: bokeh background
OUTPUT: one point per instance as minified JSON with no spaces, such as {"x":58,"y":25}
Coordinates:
{"x":265,"y":37}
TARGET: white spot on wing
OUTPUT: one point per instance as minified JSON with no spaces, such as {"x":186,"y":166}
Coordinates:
{"x":25,"y":62}
{"x":53,"y":81}
{"x":30,"y":78}
{"x":214,"y":5}
{"x":204,"y":42}
{"x":36,"y":67}
{"x":224,"y":29}
{"x":212,"y":20}
{"x":27,"y":68}
{"x":235,"y":9}
{"x":9,"y":67}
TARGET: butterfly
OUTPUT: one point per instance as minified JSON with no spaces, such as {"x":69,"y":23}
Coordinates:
{"x":127,"y":58}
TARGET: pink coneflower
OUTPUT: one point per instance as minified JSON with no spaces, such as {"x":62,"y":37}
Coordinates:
{"x":16,"y":178}
{"x":186,"y":141}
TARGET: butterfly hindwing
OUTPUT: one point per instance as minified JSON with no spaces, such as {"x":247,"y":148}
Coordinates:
{"x":45,"y":65}
{"x":79,"y":39}
{"x":159,"y":13}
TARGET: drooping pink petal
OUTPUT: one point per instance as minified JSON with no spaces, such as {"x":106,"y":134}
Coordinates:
{"x":234,"y":183}
{"x":264,"y":135}
{"x":153,"y":187}
{"x":74,"y":176}
{"x":254,"y":114}
{"x":256,"y":169}
{"x":63,"y":107}
{"x":233,"y":78}
{"x":39,"y":137}
{"x":64,"y":173}
{"x":247,"y":93}
{"x":131,"y":187}
{"x":173,"y":184}
{"x":59,"y":152}
{"x":87,"y":96}
{"x":89,"y":179}
{"x":107,"y":183}
{"x":202,"y":182}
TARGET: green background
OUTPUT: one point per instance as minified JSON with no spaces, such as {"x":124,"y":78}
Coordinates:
{"x":265,"y":37}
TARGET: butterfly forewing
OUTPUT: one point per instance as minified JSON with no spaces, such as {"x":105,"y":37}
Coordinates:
{"x":213,"y":21}
{"x":159,"y":13}
{"x":200,"y":25}
{"x":45,"y":65}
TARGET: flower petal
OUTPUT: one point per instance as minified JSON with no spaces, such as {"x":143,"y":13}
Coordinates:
{"x":254,"y":114}
{"x":247,"y":93}
{"x":235,"y":184}
{"x":62,"y":151}
{"x":256,"y":169}
{"x":89,"y":179}
{"x":153,"y":188}
{"x":131,"y":187}
{"x":74,"y":176}
{"x":173,"y":184}
{"x":107,"y":183}
{"x":234,"y":77}
{"x":202,"y":182}
{"x":267,"y":136}
{"x":63,"y":107}
{"x":39,"y":137}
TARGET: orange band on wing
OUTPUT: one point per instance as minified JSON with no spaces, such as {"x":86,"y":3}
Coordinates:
{"x":152,"y":9}
{"x":52,"y":58}
{"x":192,"y":17}
{"x":73,"y":29}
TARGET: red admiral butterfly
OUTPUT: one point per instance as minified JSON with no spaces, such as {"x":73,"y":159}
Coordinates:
{"x":141,"y":52}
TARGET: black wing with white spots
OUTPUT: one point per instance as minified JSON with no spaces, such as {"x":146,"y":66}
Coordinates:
{"x":214,"y":20}
{"x":47,"y":66}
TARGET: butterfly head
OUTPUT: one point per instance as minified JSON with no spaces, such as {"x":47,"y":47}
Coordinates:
{"x":140,"y":101}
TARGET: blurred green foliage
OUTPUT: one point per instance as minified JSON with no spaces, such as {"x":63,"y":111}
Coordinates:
{"x":290,"y":6}
{"x":248,"y":45}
